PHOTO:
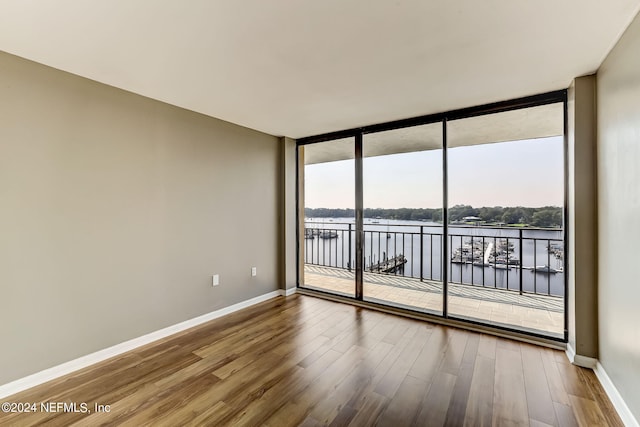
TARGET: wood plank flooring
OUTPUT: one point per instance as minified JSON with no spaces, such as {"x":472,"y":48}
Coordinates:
{"x":311,"y":362}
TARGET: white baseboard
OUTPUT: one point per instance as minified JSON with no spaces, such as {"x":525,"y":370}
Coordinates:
{"x":589,"y":362}
{"x":618,"y":402}
{"x":90,"y":359}
{"x":576,"y":359}
{"x":287,"y":292}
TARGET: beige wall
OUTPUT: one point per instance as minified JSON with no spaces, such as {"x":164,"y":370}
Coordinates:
{"x":619,"y":215}
{"x":582,"y":250}
{"x":115,"y":210}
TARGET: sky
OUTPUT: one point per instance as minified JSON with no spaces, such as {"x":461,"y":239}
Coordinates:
{"x":520,"y":173}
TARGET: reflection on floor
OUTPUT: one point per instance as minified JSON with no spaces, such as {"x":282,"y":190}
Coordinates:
{"x":537,"y":313}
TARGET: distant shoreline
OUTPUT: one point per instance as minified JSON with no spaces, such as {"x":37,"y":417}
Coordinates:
{"x":518,"y":216}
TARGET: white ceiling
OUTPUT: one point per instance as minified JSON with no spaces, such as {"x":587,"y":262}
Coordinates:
{"x":304,"y":67}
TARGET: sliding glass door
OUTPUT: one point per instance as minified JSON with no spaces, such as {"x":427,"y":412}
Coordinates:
{"x":459,"y":215}
{"x":506,"y":195}
{"x":402,"y":200}
{"x":327,"y":241}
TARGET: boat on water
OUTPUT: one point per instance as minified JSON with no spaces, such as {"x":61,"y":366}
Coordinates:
{"x":328,"y":234}
{"x":485,"y":254}
{"x":507,"y":259}
{"x":501,"y":266}
{"x":545,"y":269}
{"x":309,"y":233}
{"x":470,"y":253}
{"x":481,"y":264}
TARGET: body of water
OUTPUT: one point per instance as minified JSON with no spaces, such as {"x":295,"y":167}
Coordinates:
{"x":421,"y":243}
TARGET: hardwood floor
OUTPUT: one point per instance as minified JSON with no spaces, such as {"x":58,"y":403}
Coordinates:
{"x":307,"y":361}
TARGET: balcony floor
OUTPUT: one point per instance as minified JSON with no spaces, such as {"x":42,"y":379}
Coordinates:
{"x":528,"y":312}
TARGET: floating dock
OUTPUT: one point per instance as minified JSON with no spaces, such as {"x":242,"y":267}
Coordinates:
{"x":389,"y":265}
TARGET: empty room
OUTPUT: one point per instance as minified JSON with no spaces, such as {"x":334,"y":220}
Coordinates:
{"x":319,"y":213}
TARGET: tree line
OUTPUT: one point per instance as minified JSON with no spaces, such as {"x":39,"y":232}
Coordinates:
{"x":547,"y":216}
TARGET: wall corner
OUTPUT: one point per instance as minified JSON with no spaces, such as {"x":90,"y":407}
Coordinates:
{"x":287,"y":216}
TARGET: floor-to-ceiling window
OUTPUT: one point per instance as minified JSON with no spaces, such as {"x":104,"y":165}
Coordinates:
{"x":459,"y":214}
{"x":402,"y":201}
{"x":327,"y":243}
{"x":506,"y":197}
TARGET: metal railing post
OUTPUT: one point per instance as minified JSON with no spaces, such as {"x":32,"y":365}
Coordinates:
{"x":548,"y":266}
{"x":482,"y":260}
{"x":535,"y":266}
{"x":422,"y":253}
{"x":461,"y":244}
{"x":349,"y":262}
{"x":520,"y":256}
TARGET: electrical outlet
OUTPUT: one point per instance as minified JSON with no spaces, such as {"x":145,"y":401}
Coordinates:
{"x":254,"y":271}
{"x":216,"y":280}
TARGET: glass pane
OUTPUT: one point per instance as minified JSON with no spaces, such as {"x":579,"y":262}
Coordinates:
{"x":402,"y":195}
{"x":506,"y":197}
{"x":327,"y":183}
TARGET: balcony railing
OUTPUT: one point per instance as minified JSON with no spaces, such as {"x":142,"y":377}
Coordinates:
{"x":525,"y":260}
